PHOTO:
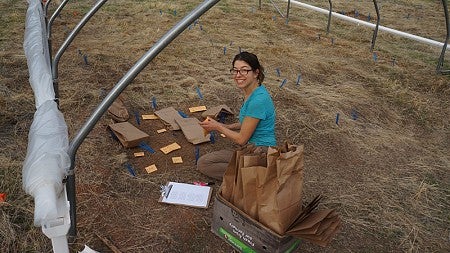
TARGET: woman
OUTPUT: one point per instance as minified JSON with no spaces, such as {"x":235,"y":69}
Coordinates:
{"x":256,"y":117}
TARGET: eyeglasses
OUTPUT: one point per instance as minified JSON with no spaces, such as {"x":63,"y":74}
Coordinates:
{"x":243,"y":72}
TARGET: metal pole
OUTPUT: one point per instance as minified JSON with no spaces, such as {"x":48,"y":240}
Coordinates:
{"x":260,"y":4}
{"x":276,"y":7}
{"x":375,"y":32}
{"x":287,"y":11}
{"x":115,"y":92}
{"x":49,"y":29}
{"x":67,"y":42}
{"x":46,"y":7}
{"x":444,"y":48}
{"x":329,"y":17}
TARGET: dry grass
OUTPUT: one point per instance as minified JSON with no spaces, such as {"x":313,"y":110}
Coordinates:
{"x":386,"y":171}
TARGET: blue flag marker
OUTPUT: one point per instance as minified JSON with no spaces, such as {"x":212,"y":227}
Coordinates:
{"x":130,"y":169}
{"x":160,"y":12}
{"x":299,"y":77}
{"x":85,"y":59}
{"x":174,"y":12}
{"x":278,"y":72}
{"x":221,"y":117}
{"x":283,"y":83}
{"x":224,"y":50}
{"x":137,"y":116}
{"x":154,"y":105}
{"x":212,"y":138}
{"x":368,"y":18}
{"x":354,"y":114}
{"x":182,"y":114}
{"x":197,"y":154}
{"x":337,"y":119}
{"x":113,"y":135}
{"x":146,"y":147}
{"x":199,"y":92}
{"x":356,"y":13}
{"x":375,"y":57}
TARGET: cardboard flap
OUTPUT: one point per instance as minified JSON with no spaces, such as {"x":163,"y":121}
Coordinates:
{"x":128,"y":135}
{"x":192,"y":130}
{"x":169,"y":115}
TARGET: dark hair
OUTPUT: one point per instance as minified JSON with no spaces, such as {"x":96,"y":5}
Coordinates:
{"x":252,"y":60}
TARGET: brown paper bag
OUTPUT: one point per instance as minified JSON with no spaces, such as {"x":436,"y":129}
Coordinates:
{"x":279,"y":192}
{"x":318,"y":227}
{"x":192,"y":130}
{"x":128,"y":135}
{"x":169,"y":115}
{"x":118,"y":111}
{"x":215,"y":111}
{"x":231,"y":173}
{"x":253,"y":165}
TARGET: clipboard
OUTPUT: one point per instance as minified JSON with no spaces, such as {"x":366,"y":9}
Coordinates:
{"x":186,"y":194}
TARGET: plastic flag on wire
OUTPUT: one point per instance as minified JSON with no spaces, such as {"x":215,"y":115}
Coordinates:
{"x":199,"y":93}
{"x":130,"y":169}
{"x":212,"y":138}
{"x":146,"y":147}
{"x":283,"y":83}
{"x":182,"y":114}
{"x":197,"y":154}
{"x":154,"y":105}
{"x":299,"y":78}
{"x":137,"y":116}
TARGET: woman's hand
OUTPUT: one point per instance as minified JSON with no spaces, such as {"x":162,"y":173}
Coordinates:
{"x":210,"y":124}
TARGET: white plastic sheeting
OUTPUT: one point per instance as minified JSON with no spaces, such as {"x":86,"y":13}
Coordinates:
{"x":47,"y":161}
{"x":36,"y":51}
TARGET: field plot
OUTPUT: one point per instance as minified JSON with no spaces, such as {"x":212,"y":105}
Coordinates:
{"x":375,"y":125}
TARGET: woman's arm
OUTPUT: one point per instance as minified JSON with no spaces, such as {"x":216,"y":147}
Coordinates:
{"x":241,"y":137}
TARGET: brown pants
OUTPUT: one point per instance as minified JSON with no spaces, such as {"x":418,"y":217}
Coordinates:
{"x":215,"y":163}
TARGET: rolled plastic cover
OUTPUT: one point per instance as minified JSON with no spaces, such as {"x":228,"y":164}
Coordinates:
{"x":36,"y":50}
{"x":47,"y":161}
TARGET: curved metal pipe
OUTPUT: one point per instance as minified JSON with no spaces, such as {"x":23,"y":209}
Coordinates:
{"x":67,"y":42}
{"x":444,"y":48}
{"x":53,"y":17}
{"x":368,"y":24}
{"x":375,"y":32}
{"x":115,"y":92}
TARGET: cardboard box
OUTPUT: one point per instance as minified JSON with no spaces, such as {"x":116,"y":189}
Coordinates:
{"x":246,"y":234}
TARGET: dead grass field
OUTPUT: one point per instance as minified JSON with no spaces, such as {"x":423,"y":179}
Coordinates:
{"x":386,"y":171}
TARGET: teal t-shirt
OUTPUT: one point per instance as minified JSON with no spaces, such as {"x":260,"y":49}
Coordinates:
{"x":260,"y":106}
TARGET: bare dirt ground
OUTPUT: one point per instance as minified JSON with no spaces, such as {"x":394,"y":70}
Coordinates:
{"x":384,"y":166}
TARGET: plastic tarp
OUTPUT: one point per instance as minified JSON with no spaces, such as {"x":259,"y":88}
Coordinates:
{"x":47,"y":160}
{"x":37,"y":54}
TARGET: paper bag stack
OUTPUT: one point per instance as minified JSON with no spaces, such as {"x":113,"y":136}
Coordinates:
{"x":268,"y":187}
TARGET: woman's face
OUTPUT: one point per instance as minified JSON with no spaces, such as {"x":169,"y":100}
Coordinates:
{"x":242,"y":77}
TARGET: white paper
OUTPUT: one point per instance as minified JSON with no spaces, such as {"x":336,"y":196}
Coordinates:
{"x":187,"y":194}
